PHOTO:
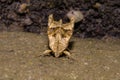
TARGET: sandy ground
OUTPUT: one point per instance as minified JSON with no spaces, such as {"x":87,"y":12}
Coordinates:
{"x":94,"y":59}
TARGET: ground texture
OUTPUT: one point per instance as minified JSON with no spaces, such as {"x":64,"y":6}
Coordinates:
{"x":94,"y":59}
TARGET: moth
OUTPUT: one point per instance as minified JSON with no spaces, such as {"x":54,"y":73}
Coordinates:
{"x":59,"y":35}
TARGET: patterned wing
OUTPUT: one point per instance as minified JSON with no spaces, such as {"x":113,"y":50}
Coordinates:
{"x":59,"y":34}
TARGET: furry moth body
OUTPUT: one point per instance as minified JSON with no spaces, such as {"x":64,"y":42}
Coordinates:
{"x":59,"y":35}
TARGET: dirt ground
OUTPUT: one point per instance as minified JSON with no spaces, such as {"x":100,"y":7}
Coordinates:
{"x":94,"y":59}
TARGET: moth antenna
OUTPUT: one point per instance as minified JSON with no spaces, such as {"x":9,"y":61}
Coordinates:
{"x":50,"y":19}
{"x":72,"y":19}
{"x":60,"y":21}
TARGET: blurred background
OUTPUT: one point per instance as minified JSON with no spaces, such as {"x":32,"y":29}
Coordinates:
{"x":101,"y":17}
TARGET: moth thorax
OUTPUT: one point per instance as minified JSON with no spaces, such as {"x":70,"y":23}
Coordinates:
{"x":58,"y":37}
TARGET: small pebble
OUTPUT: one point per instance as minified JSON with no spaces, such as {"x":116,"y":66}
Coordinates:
{"x":23,"y":8}
{"x":76,"y":14}
{"x":97,"y":5}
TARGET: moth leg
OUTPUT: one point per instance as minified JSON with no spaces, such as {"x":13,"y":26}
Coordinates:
{"x":68,"y":54}
{"x":46,"y":52}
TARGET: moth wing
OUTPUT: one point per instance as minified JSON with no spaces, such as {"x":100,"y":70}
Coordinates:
{"x":68,"y":30}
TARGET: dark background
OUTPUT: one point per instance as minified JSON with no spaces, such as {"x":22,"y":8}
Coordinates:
{"x":98,"y":22}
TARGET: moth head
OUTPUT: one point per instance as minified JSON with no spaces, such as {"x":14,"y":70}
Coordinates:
{"x":57,"y":55}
